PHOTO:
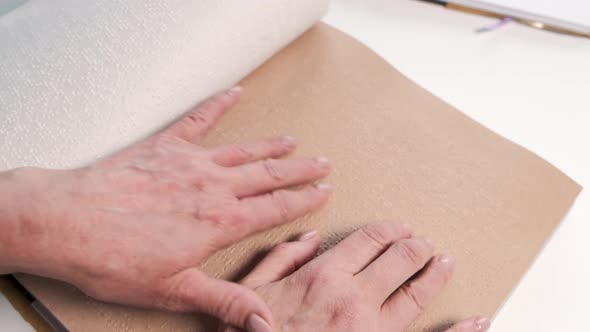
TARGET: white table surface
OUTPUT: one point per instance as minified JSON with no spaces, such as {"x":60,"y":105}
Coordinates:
{"x":530,"y":86}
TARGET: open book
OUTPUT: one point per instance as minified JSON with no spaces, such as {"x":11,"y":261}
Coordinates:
{"x":398,"y":153}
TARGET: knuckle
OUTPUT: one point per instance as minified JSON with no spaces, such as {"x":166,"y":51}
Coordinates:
{"x":198,"y":116}
{"x":210,"y":177}
{"x":319,"y":277}
{"x":286,"y":252}
{"x":344,"y":309}
{"x":241,"y":153}
{"x":229,"y":215}
{"x":272,"y":170}
{"x":415,"y":298}
{"x":377,"y":234}
{"x":164,"y":143}
{"x":228,"y":304}
{"x":410,"y":252}
{"x":174,"y":295}
{"x":284,"y":248}
{"x":282,"y":205}
{"x":279,"y":144}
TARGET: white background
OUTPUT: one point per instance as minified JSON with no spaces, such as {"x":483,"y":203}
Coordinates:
{"x":530,"y":86}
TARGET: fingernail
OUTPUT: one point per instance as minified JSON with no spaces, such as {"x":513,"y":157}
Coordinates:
{"x":308,"y":235}
{"x":235,"y":90}
{"x":482,"y":324}
{"x":323,"y":162}
{"x":289,"y":141}
{"x":255,"y":323}
{"x":324,"y":187}
{"x":446,"y":260}
{"x":408,"y":229}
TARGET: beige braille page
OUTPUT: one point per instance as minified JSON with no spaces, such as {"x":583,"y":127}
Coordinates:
{"x":398,"y":153}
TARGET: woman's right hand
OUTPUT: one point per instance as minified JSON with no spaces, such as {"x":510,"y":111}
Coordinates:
{"x":380,"y":278}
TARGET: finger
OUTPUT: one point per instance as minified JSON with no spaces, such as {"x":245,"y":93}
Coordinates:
{"x":473,"y":324}
{"x":225,"y":328}
{"x":270,"y":174}
{"x":283,"y":260}
{"x":194,"y":126}
{"x":396,"y":265}
{"x":262,"y":212}
{"x":411,"y":299}
{"x":193,"y":291}
{"x":234,"y":155}
{"x":359,"y":249}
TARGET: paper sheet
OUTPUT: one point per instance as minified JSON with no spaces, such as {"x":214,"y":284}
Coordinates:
{"x":399,"y":153}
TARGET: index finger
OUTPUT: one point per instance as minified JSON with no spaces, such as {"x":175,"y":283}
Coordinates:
{"x":194,"y":126}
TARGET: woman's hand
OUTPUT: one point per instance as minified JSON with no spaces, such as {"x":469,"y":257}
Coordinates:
{"x":367,"y":282}
{"x":134,"y":228}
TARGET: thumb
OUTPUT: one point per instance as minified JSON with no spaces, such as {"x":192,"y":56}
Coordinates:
{"x":283,"y":260}
{"x":192,"y":290}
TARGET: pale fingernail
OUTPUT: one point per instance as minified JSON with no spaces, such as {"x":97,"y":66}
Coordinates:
{"x":323,"y":162}
{"x":235,"y":90}
{"x":482,"y":324}
{"x":307,"y":236}
{"x":407,"y":228}
{"x":255,"y":323}
{"x":446,"y":260}
{"x":289,"y":141}
{"x":324,"y":187}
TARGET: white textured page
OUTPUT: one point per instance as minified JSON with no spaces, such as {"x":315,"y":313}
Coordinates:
{"x":80,"y":79}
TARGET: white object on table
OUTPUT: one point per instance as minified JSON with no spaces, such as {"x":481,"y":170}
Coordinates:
{"x":530,"y":86}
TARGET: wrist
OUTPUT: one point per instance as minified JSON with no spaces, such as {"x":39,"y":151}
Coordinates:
{"x":20,"y":231}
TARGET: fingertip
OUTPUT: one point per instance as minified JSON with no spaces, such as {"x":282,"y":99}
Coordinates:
{"x":230,"y":329}
{"x":473,"y":324}
{"x":407,"y":229}
{"x":447,"y":261}
{"x":482,"y":324}
{"x":323,"y":162}
{"x":308,"y":235}
{"x":235,"y":90}
{"x":442,"y":266}
{"x":324,"y":187}
{"x":255,"y":323}
{"x":289,"y":142}
{"x":322,"y":193}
